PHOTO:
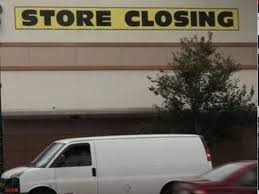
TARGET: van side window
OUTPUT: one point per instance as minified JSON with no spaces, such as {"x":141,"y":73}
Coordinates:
{"x":75,"y":155}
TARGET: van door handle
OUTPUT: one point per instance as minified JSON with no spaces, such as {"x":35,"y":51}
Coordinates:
{"x":94,"y":172}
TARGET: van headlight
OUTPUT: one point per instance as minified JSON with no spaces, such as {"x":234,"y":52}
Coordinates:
{"x":12,"y":186}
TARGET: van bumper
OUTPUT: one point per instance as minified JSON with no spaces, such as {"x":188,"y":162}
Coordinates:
{"x":19,"y":193}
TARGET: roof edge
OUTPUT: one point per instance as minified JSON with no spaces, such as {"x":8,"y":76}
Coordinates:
{"x":94,"y":113}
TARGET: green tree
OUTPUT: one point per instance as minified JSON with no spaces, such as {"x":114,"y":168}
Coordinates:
{"x":201,"y":82}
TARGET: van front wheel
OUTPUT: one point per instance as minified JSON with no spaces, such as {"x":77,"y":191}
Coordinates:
{"x":168,"y":189}
{"x":42,"y":191}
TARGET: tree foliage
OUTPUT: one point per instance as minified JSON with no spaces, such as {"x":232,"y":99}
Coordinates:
{"x":202,"y":81}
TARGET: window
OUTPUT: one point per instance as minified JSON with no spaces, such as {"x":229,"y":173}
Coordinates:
{"x":249,"y":179}
{"x":47,"y":155}
{"x":75,"y":155}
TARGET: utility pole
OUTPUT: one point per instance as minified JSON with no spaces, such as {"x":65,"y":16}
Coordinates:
{"x":1,"y":127}
{"x":1,"y":115}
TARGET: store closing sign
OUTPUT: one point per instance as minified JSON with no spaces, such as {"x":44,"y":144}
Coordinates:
{"x":64,"y":18}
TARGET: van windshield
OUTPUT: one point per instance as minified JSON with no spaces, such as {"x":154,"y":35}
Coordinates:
{"x":42,"y":160}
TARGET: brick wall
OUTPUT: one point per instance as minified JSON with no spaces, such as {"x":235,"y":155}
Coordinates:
{"x":25,"y":138}
{"x":244,"y":148}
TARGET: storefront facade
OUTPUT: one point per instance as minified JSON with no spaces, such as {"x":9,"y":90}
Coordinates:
{"x":80,"y":68}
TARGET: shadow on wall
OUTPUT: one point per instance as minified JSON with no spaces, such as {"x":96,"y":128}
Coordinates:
{"x":228,"y":151}
{"x":25,"y":138}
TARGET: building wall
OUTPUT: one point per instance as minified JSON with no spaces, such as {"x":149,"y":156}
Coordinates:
{"x":25,"y":138}
{"x":236,"y":150}
{"x":108,"y":57}
{"x":86,"y":91}
{"x":246,"y":33}
{"x":67,"y":72}
{"x":70,"y":70}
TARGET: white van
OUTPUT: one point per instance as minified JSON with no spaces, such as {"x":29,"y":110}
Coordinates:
{"x":144,"y":164}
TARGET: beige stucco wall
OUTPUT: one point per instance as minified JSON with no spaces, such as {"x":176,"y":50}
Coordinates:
{"x":84,"y":90}
{"x":110,"y":52}
{"x":106,"y":57}
{"x":92,"y":90}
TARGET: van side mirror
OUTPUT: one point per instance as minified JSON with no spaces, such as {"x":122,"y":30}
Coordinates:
{"x":59,"y":162}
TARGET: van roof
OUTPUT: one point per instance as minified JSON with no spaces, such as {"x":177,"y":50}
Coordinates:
{"x":120,"y":137}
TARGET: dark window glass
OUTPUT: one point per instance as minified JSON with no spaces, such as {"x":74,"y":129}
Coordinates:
{"x":249,"y":179}
{"x":75,"y":155}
